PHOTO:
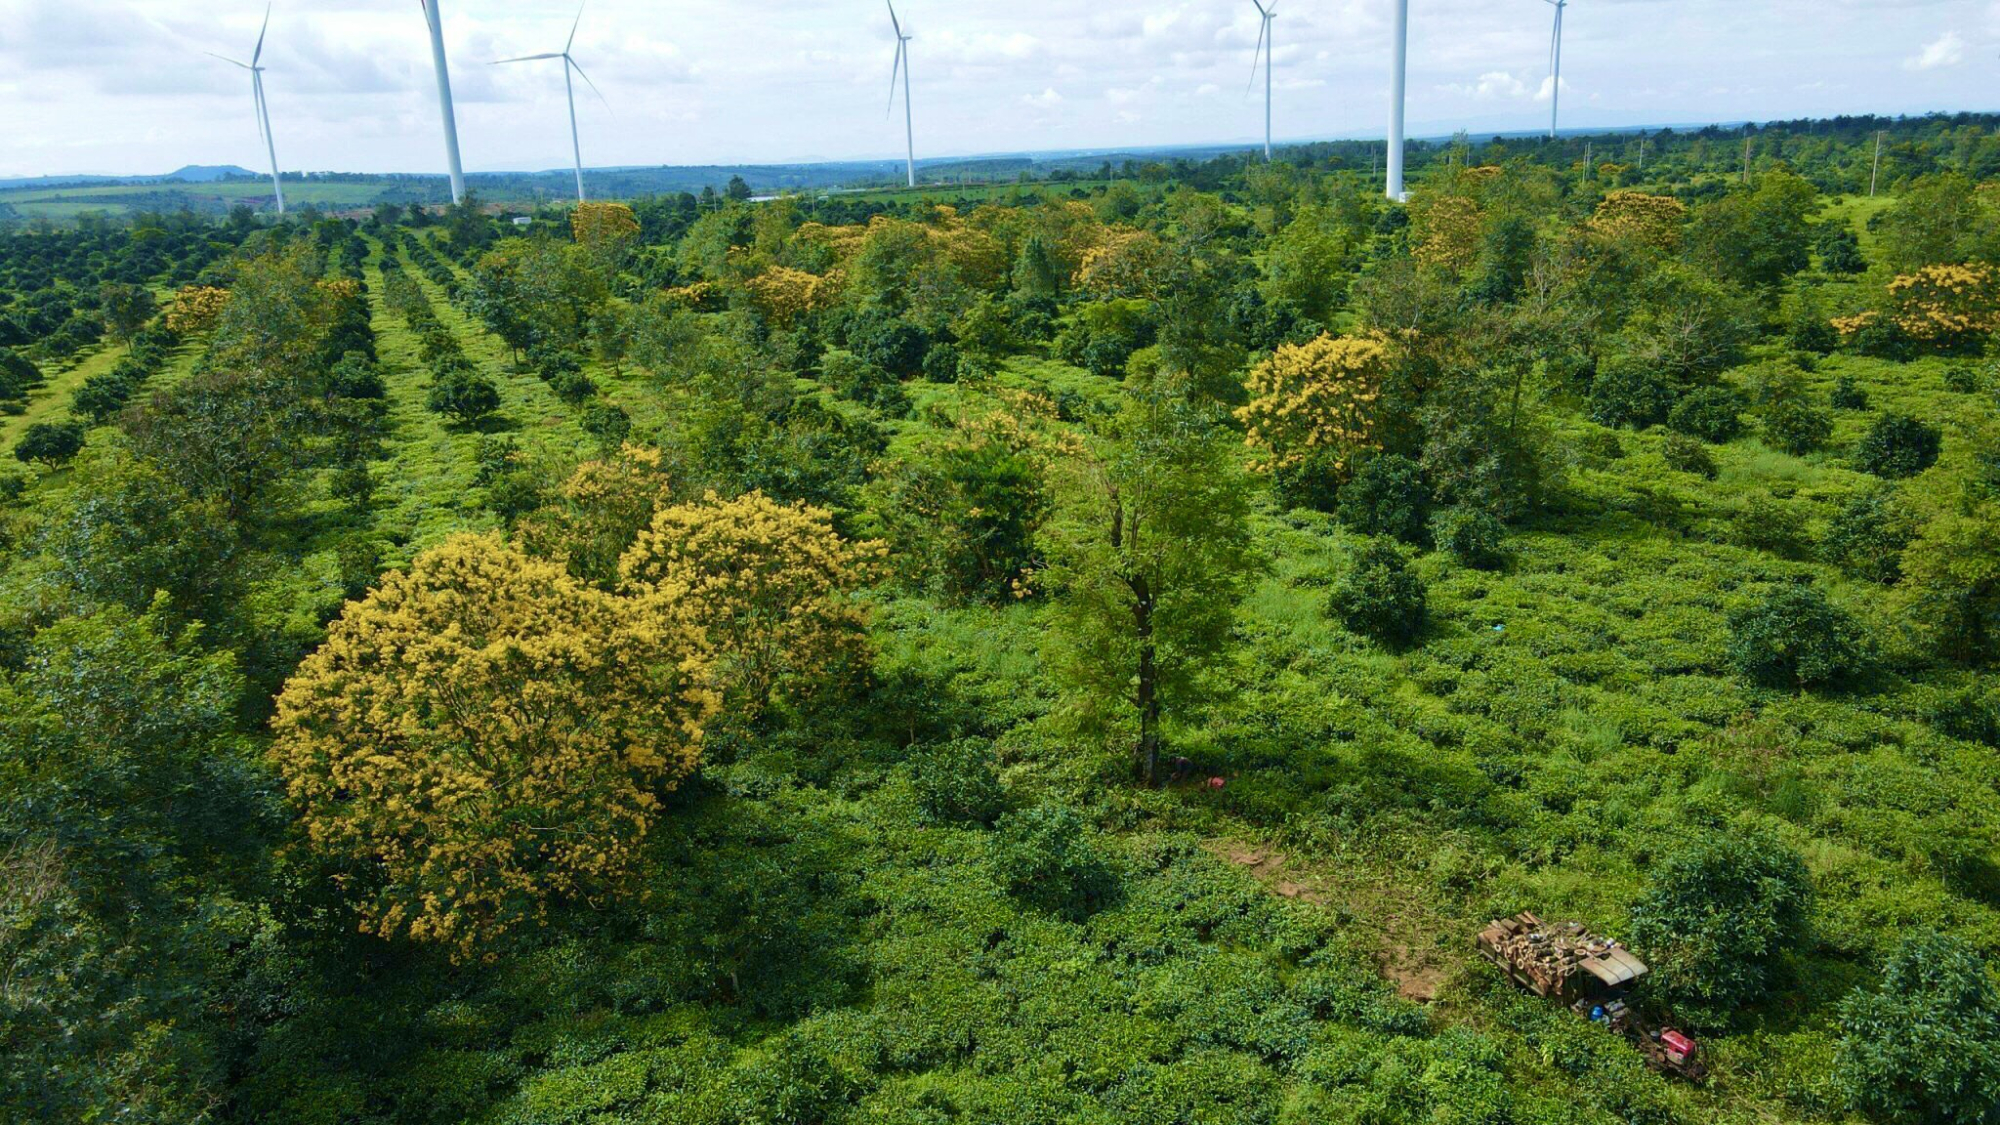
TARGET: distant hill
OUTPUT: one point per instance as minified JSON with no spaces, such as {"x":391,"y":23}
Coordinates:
{"x":192,"y":174}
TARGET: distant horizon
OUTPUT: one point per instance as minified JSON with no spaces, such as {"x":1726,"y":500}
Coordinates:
{"x":1426,"y":132}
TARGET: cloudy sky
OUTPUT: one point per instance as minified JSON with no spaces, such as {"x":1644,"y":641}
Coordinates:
{"x":123,"y":86}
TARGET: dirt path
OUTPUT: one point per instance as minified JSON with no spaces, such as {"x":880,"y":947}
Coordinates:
{"x":1411,"y":943}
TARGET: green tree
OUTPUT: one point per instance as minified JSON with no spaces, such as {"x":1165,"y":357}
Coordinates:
{"x":1150,"y":554}
{"x":51,"y":443}
{"x":464,"y":394}
{"x":126,"y":309}
{"x":1380,"y":596}
{"x":1898,"y":446}
{"x":1952,"y":565}
{"x":1924,"y":1045}
{"x":1795,"y":638}
{"x":1717,"y":918}
{"x":1756,"y":237}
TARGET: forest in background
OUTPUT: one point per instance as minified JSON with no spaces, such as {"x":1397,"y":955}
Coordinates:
{"x":694,"y":660}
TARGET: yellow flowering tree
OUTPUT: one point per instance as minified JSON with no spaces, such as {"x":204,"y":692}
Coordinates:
{"x":1314,"y":398}
{"x":598,"y":512}
{"x":1444,"y":232}
{"x":196,"y":309}
{"x":484,"y":735}
{"x":606,"y":231}
{"x":784,"y":294}
{"x":1636,"y":218}
{"x":1947,"y":308}
{"x":1124,"y":264}
{"x":768,"y":583}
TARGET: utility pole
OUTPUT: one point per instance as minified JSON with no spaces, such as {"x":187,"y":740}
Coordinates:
{"x":1875,"y":172}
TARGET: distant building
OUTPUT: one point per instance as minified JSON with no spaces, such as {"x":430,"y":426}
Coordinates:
{"x":523,"y":221}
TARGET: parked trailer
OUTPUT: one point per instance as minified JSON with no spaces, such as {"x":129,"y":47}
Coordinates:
{"x":1590,"y":974}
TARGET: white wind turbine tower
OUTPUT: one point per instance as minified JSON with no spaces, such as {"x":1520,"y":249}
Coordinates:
{"x":436,"y":24}
{"x":1265,"y":45}
{"x":569,"y":87}
{"x":902,"y":67}
{"x":1556,"y":65}
{"x":263,"y":110}
{"x":1400,"y":42}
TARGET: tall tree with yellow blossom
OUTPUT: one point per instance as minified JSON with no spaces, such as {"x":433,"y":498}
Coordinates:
{"x":484,"y":736}
{"x":1638,"y":219}
{"x":598,"y":512}
{"x":1317,"y":398}
{"x":768,"y":583}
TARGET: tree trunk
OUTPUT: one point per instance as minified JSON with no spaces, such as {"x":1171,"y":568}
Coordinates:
{"x":1148,"y":698}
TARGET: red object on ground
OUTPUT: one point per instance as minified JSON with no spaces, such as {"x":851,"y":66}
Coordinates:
{"x":1215,"y":783}
{"x":1677,"y":1043}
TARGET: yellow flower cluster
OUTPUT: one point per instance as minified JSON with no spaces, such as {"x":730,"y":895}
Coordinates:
{"x":196,"y":309}
{"x":603,"y":224}
{"x":785,"y":294}
{"x":768,"y":583}
{"x":484,"y":735}
{"x":1647,"y":220}
{"x":1444,"y":232}
{"x":1947,"y":305}
{"x":598,"y":512}
{"x":1316,"y":397}
{"x":1121,"y":265}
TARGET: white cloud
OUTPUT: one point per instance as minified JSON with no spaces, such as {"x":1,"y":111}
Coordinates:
{"x":1946,"y":50}
{"x":122,"y":85}
{"x":1547,"y":89}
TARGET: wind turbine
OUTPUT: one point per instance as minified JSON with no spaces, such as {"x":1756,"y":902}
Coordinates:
{"x":1400,"y":41}
{"x":436,"y":24}
{"x":1556,"y":64}
{"x":569,"y":87}
{"x":903,"y":67}
{"x":1265,"y":45}
{"x":263,"y":109}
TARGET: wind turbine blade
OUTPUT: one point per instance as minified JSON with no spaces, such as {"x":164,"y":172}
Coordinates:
{"x":589,"y":83}
{"x":893,"y":21}
{"x":258,"y":55}
{"x":894,"y":73}
{"x":572,"y":29}
{"x":227,"y":59}
{"x":1261,"y":10}
{"x":1263,"y":29}
{"x":528,"y":58}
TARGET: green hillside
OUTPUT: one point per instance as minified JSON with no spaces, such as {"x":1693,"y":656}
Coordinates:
{"x":1082,"y":651}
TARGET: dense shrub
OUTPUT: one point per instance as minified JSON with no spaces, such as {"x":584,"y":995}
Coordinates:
{"x":1716,"y":920}
{"x":464,"y":394}
{"x":1839,"y":249}
{"x":1796,"y":638}
{"x":1473,"y":536}
{"x":1898,"y":446}
{"x":1049,"y":856}
{"x":1387,"y":497}
{"x":1684,"y":454}
{"x":1923,"y":1046}
{"x":956,"y":783}
{"x":1380,"y":596}
{"x":1797,"y":426}
{"x":1867,"y":536}
{"x":941,"y":363}
{"x":1848,"y":395}
{"x":1629,"y":392}
{"x":51,"y":443}
{"x":1962,"y":379}
{"x":858,"y":380}
{"x":1713,"y":414}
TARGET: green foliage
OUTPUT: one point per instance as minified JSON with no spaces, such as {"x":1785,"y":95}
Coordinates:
{"x":463,"y":394}
{"x":1867,"y":536}
{"x":1839,"y":249}
{"x":1473,"y":536}
{"x":1379,"y":596}
{"x":1795,"y":638}
{"x":1718,"y":918}
{"x":956,"y":783}
{"x":1898,"y":446}
{"x":1756,"y":237}
{"x":1923,"y":1046}
{"x":51,"y":443}
{"x":1049,"y":857}
{"x":1848,"y":395}
{"x":1713,"y":414}
{"x":1628,"y":392}
{"x":1387,"y":496}
{"x":1684,"y":454}
{"x":1796,"y":425}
